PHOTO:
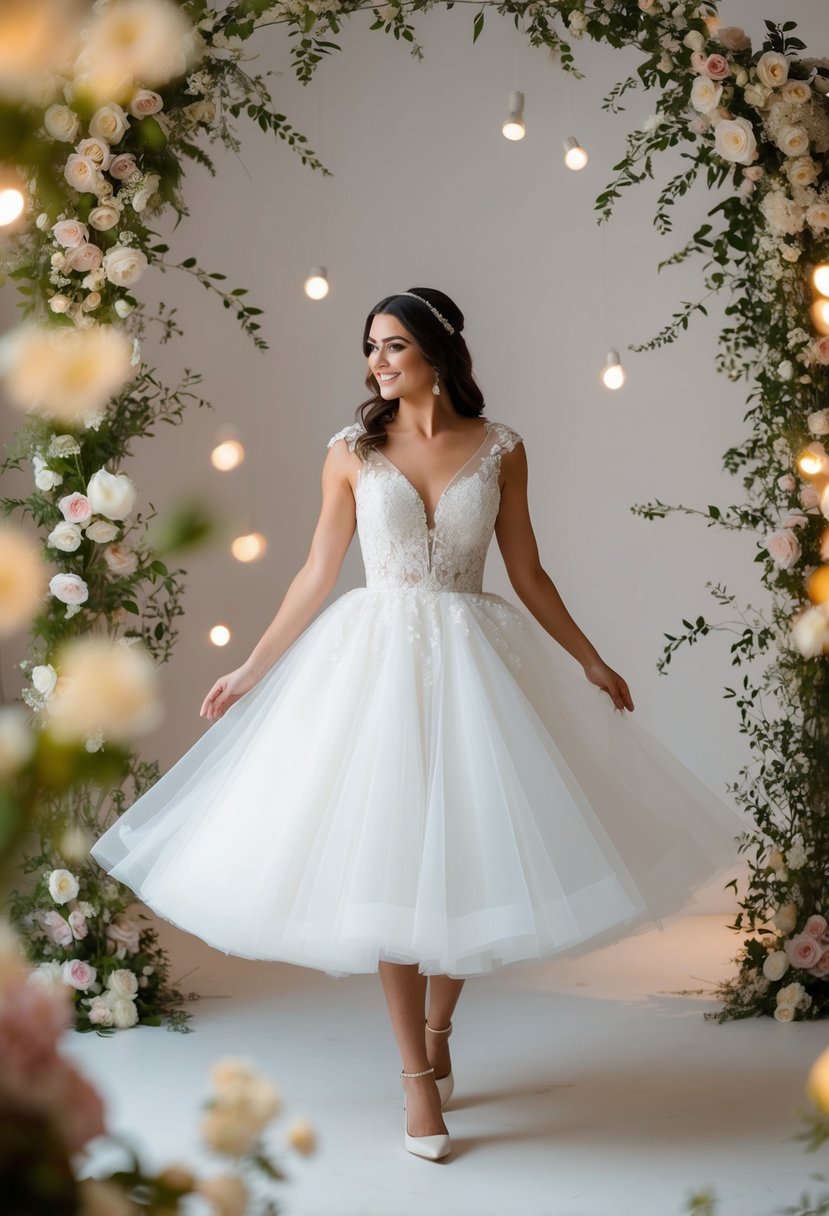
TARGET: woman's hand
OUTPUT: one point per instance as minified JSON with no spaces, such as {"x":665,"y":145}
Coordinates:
{"x":606,"y":678}
{"x":226,"y":691}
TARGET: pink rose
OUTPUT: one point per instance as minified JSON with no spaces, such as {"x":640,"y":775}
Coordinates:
{"x":70,"y":233}
{"x":809,"y":497}
{"x":57,"y":929}
{"x":816,"y":925}
{"x":122,"y":165}
{"x":786,"y":482}
{"x":733,"y":38}
{"x":753,"y":172}
{"x":822,"y":965}
{"x":698,"y":61}
{"x":820,"y":349}
{"x":69,"y":588}
{"x":84,"y":257}
{"x":79,"y":974}
{"x":717,"y":67}
{"x":78,"y":925}
{"x":123,"y":932}
{"x":802,"y":950}
{"x":144,"y":102}
{"x":783,"y":547}
{"x":76,"y":508}
{"x":794,"y":520}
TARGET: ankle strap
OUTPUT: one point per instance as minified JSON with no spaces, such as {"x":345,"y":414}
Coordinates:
{"x":446,"y":1029}
{"x":425,"y":1073}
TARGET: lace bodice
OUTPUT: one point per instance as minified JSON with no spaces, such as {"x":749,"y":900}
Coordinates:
{"x":399,"y":548}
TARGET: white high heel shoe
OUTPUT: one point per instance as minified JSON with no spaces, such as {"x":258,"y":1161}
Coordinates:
{"x":432,"y":1147}
{"x":445,"y":1084}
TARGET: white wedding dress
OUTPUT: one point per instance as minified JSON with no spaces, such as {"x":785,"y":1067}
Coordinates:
{"x":424,"y":776}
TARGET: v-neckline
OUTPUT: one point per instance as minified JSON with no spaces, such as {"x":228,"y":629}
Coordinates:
{"x":455,"y":475}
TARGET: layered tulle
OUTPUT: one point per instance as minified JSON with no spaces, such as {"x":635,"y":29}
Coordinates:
{"x":423,"y":777}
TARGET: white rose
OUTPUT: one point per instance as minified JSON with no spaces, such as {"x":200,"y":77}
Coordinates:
{"x":123,"y":983}
{"x":44,"y":678}
{"x":95,"y":280}
{"x":98,"y":150}
{"x":694,"y":41}
{"x":784,"y":1013}
{"x":783,"y":548}
{"x":121,"y":559}
{"x":772,"y":69}
{"x":793,"y":141}
{"x":82,"y":174}
{"x":69,"y":588}
{"x":756,"y":95}
{"x":59,"y":302}
{"x":61,"y":123}
{"x":63,"y":886}
{"x":104,"y":217}
{"x":818,"y":422}
{"x":801,"y":171}
{"x":109,"y":123}
{"x":102,"y":531}
{"x":796,"y":92}
{"x":145,"y":102}
{"x":123,"y":307}
{"x":84,"y":257}
{"x":111,"y":494}
{"x":776,"y":965}
{"x":734,"y":140}
{"x":50,"y":975}
{"x":817,"y":216}
{"x":65,"y":536}
{"x":70,"y":233}
{"x":705,"y":94}
{"x":124,"y":265}
{"x":47,"y":479}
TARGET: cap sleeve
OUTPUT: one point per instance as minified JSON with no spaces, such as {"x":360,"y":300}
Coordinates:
{"x":507,"y":437}
{"x":349,"y":433}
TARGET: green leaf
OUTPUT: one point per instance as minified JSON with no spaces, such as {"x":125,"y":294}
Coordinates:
{"x":478,"y":25}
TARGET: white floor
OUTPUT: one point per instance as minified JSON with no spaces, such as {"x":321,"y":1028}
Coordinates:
{"x":583,"y":1087}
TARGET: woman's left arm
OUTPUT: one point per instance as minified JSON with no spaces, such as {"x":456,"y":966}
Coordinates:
{"x":535,"y":588}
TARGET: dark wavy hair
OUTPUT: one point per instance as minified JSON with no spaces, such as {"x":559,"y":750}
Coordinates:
{"x":446,"y":352}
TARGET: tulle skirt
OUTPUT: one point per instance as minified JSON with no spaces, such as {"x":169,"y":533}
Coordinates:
{"x":422,"y":777}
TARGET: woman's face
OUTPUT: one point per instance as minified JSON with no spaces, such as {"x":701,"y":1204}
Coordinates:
{"x":395,"y":360}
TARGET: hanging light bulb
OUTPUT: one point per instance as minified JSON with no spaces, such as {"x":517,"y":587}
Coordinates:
{"x":812,"y":462}
{"x":613,"y":374}
{"x":820,"y":278}
{"x":248,"y":547}
{"x":513,"y":126}
{"x":228,"y":452}
{"x":316,"y":285}
{"x":219,"y":635}
{"x":819,"y":313}
{"x":575,"y":156}
{"x":12,"y":203}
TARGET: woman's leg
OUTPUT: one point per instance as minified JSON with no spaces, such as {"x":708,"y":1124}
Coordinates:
{"x":405,"y":991}
{"x":443,"y":997}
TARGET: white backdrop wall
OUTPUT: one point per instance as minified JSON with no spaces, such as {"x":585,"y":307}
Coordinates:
{"x":427,"y":192}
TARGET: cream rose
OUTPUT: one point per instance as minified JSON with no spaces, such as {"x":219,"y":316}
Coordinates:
{"x":145,"y":191}
{"x":705,"y":94}
{"x":144,"y":102}
{"x":109,"y":123}
{"x":121,"y":559}
{"x":783,"y":548}
{"x":100,"y":1014}
{"x":693,"y":40}
{"x":111,"y":494}
{"x":817,"y":216}
{"x":98,"y":150}
{"x":226,"y":1193}
{"x":59,"y":302}
{"x":63,"y":886}
{"x":104,"y":686}
{"x":734,"y":140}
{"x":124,"y":1013}
{"x":78,"y":974}
{"x":793,"y":141}
{"x":104,"y":217}
{"x":69,"y":588}
{"x":772,"y":69}
{"x":70,"y":233}
{"x":65,"y":536}
{"x":756,"y":95}
{"x":102,"y":531}
{"x":75,"y":507}
{"x":818,"y":422}
{"x":785,"y":918}
{"x":62,"y":123}
{"x":733,"y":38}
{"x":123,"y":983}
{"x":300,"y":1136}
{"x":810,"y":631}
{"x":801,"y":171}
{"x":776,"y":965}
{"x":82,"y":174}
{"x":796,"y":92}
{"x":124,"y":265}
{"x":784,"y":1013}
{"x":22,"y":579}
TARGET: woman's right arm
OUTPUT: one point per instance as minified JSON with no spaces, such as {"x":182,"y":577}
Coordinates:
{"x":309,"y":587}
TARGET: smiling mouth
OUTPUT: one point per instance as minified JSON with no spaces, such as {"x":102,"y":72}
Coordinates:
{"x":387,"y":379}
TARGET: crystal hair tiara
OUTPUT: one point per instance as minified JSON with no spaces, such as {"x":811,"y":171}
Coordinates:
{"x":446,"y":324}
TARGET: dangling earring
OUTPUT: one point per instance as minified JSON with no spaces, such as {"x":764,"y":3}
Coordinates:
{"x":436,"y":386}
